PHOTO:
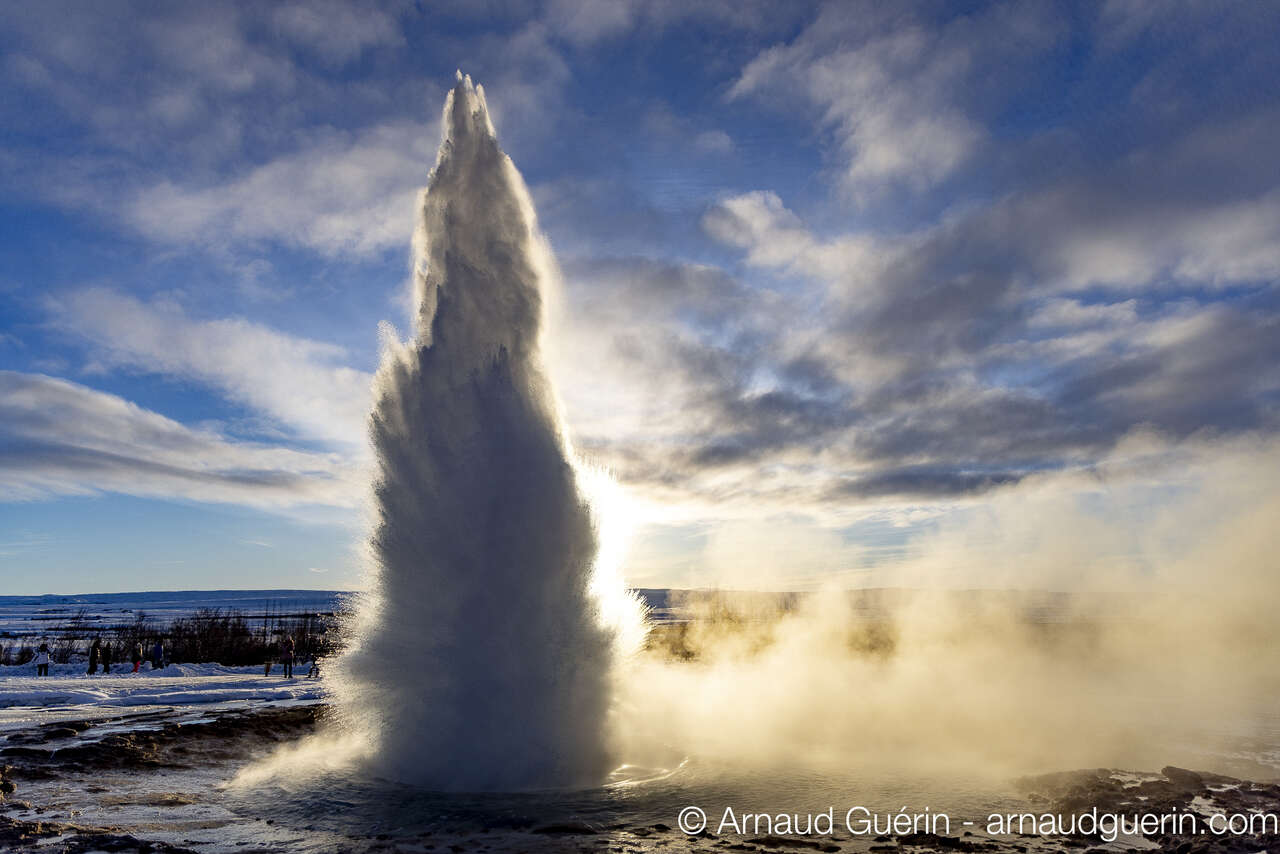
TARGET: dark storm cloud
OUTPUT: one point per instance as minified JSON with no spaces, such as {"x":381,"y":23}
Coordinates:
{"x":1219,"y":369}
{"x":923,"y":482}
{"x":989,"y":427}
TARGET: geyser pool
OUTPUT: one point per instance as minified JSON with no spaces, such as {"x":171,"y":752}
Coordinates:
{"x":480,"y":659}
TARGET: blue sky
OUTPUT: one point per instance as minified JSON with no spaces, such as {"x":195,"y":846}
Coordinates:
{"x":965,"y":294}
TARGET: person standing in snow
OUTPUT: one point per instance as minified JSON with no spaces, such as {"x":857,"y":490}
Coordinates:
{"x":157,"y":656}
{"x":106,"y":659}
{"x":42,"y":660}
{"x":95,"y":652}
{"x":286,"y":656}
{"x":137,"y":657}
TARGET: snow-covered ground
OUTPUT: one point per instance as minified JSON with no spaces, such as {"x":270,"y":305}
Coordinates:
{"x":24,"y":696}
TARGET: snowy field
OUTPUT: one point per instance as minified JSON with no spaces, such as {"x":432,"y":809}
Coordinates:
{"x":22,"y":693}
{"x":33,"y":616}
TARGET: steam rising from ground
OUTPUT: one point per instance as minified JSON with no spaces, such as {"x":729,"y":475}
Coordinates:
{"x":1175,"y":650}
{"x":492,"y":650}
{"x":481,"y":659}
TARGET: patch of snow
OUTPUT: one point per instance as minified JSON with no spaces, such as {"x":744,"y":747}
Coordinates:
{"x":174,"y":685}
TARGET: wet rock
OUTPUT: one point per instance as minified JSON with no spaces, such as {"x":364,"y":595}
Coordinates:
{"x":60,"y":732}
{"x":936,"y":842}
{"x":14,"y":832}
{"x":171,"y":799}
{"x":78,"y":726}
{"x":1182,"y":778}
{"x":231,"y":735}
{"x":24,"y":753}
{"x":173,"y":745}
{"x":566,"y":829}
{"x":771,"y":841}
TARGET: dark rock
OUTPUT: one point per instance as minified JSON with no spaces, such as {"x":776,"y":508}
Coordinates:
{"x":1182,"y":778}
{"x":24,"y":753}
{"x":60,"y":732}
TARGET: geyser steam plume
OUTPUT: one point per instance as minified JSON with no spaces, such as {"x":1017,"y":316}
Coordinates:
{"x":480,"y":659}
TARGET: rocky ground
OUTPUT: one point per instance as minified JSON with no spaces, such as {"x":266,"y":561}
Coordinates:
{"x":97,"y":759}
{"x":76,"y":754}
{"x":1174,"y":791}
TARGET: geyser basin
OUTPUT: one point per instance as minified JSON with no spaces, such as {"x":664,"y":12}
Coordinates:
{"x":480,"y":660}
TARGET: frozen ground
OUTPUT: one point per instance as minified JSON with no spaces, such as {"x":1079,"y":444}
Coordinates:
{"x":159,"y":782}
{"x":143,"y":763}
{"x":25,"y":697}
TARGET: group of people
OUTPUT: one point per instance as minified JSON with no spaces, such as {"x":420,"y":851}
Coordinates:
{"x":287,"y":655}
{"x":157,"y":656}
{"x":100,"y":656}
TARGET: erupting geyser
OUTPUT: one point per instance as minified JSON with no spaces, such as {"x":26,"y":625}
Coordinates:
{"x":480,"y":659}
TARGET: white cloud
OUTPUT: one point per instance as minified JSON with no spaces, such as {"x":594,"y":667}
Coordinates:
{"x":714,"y":142}
{"x":885,"y":97}
{"x":586,"y":21}
{"x":337,"y":31}
{"x":301,"y":383}
{"x":889,"y":84}
{"x":147,"y":79}
{"x":1061,"y":239}
{"x":775,"y":238}
{"x":62,"y":438}
{"x":1133,"y":244}
{"x":340,"y":193}
{"x":1073,"y":314}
